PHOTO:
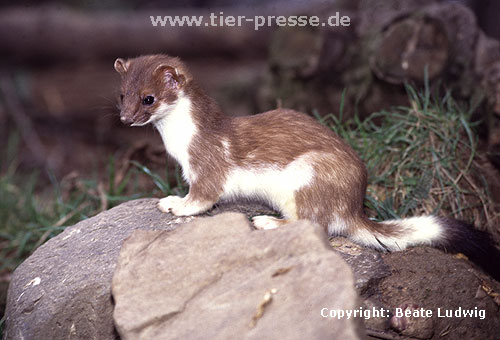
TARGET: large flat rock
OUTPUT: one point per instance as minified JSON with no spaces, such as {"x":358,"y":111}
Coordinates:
{"x":216,"y":278}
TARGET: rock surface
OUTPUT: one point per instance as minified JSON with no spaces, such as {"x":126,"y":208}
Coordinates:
{"x":367,"y":264}
{"x":216,"y":278}
{"x":62,"y":291}
{"x":442,"y":283}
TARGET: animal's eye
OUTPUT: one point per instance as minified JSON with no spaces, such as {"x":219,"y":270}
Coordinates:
{"x":121,"y":97}
{"x":148,"y":100}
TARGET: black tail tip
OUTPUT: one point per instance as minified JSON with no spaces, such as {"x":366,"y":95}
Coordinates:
{"x":477,"y":245}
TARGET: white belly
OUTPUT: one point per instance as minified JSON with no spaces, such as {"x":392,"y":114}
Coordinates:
{"x":275,"y":185}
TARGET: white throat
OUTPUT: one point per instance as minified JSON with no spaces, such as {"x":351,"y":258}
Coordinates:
{"x":177,"y":129}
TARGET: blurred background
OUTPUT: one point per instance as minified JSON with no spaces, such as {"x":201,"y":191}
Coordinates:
{"x":65,"y":156}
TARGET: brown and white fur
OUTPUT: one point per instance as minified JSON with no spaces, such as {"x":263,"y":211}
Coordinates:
{"x":282,"y":157}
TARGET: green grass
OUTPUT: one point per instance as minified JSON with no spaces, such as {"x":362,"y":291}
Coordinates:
{"x":422,"y":159}
{"x":29,"y":217}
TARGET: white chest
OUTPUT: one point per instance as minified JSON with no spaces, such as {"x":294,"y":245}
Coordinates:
{"x":177,"y":129}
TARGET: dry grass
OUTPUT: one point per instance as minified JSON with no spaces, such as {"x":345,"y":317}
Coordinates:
{"x":422,"y":159}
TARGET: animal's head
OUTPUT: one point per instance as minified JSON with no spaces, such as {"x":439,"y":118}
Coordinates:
{"x":151,"y":86}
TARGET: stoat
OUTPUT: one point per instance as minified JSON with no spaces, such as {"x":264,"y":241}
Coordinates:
{"x":282,"y":157}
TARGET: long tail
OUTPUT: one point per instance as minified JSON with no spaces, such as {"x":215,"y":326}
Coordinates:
{"x":449,"y":235}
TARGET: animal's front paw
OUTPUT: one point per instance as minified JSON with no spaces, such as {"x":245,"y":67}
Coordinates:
{"x":183,"y":206}
{"x":171,"y":204}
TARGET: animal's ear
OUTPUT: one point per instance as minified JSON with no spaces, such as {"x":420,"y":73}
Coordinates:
{"x":170,"y":76}
{"x":121,"y":66}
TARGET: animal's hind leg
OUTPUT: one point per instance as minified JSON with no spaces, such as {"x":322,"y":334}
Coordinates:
{"x":266,"y":222}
